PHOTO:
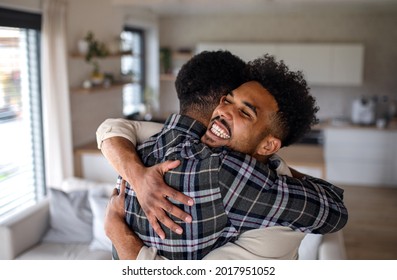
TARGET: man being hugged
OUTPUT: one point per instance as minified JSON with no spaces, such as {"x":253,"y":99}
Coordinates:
{"x":237,"y":192}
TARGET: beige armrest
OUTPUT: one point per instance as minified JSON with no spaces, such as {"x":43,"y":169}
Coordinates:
{"x":332,"y":247}
{"x":24,"y":230}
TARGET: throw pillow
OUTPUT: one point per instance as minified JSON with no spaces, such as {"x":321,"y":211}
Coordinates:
{"x":99,"y":199}
{"x":70,"y":217}
{"x":308,"y":250}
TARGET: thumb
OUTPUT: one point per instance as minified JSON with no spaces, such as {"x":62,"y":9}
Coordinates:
{"x":168,"y":165}
{"x":122,"y":187}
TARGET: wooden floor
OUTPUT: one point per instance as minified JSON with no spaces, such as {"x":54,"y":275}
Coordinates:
{"x":371,"y":232}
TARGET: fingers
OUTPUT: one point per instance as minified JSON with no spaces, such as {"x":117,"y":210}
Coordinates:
{"x":178,"y":196}
{"x":178,"y":213}
{"x":156,"y":226}
{"x":166,"y":221}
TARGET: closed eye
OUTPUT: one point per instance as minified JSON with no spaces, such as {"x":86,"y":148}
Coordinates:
{"x":248,"y":115}
{"x":226,"y":101}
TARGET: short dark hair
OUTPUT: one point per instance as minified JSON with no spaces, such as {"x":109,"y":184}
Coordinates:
{"x":205,"y":78}
{"x":296,"y":106}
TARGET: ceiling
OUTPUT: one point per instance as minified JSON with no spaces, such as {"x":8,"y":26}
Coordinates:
{"x":192,"y":7}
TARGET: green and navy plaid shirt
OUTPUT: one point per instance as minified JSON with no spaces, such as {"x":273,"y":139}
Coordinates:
{"x":233,"y":193}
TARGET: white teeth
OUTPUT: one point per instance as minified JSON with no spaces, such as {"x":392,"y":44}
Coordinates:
{"x":219,"y":131}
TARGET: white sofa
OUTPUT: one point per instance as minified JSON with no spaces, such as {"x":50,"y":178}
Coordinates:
{"x":30,"y":235}
{"x":67,"y":224}
{"x":21,"y":238}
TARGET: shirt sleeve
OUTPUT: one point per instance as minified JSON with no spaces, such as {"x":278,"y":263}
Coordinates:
{"x":135,"y":131}
{"x":149,"y":253}
{"x":260,"y":244}
{"x":280,"y":243}
{"x":282,"y":167}
{"x":255,"y":196}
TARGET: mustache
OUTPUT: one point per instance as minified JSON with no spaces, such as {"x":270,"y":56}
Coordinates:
{"x":222,"y":121}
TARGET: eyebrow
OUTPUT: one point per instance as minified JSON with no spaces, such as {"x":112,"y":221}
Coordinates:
{"x":249,"y":105}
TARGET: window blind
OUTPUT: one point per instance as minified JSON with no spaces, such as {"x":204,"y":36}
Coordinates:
{"x":22,"y":180}
{"x":133,"y":69}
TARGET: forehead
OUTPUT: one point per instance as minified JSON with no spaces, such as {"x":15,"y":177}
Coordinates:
{"x":255,"y":94}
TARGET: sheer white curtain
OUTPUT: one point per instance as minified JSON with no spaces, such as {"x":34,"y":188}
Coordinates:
{"x":56,"y":105}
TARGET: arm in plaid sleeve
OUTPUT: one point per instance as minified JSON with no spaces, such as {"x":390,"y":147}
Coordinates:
{"x":255,"y":196}
{"x":117,"y":139}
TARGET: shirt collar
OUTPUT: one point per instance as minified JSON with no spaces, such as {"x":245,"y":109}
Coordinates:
{"x":186,"y":125}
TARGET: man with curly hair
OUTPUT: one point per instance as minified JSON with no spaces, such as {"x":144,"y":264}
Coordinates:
{"x":235,"y":193}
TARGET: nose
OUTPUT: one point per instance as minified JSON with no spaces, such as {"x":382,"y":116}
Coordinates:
{"x":226,"y":111}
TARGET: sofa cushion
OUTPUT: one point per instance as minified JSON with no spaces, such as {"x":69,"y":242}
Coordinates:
{"x":57,"y":251}
{"x":99,"y":199}
{"x":70,"y":217}
{"x":308,"y":250}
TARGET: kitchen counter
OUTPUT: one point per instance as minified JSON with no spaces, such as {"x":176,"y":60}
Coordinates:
{"x":335,"y":124}
{"x":308,"y":159}
{"x":88,"y":148}
{"x":303,"y":157}
{"x":298,"y":154}
{"x":311,"y":155}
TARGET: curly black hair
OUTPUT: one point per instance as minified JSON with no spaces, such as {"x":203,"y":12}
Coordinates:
{"x":205,"y":78}
{"x":296,"y":106}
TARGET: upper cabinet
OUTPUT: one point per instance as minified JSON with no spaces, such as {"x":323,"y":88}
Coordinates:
{"x":322,"y":64}
{"x":348,"y":64}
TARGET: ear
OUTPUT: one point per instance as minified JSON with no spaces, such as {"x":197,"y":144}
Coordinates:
{"x":268,"y":146}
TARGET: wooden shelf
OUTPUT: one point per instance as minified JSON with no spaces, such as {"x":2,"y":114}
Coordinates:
{"x":167,"y":77}
{"x":182,"y":55}
{"x":96,"y":89}
{"x":113,"y":55}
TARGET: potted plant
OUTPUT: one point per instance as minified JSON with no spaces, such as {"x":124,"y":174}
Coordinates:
{"x":95,"y":50}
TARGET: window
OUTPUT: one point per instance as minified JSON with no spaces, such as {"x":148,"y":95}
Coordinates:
{"x":22,"y":180}
{"x":133,"y":68}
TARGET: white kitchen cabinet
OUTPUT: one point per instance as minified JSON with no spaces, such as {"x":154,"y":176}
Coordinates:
{"x":314,"y":60}
{"x":347,"y":65}
{"x":321,"y":63}
{"x":246,"y":51}
{"x":307,"y":159}
{"x":361,"y":156}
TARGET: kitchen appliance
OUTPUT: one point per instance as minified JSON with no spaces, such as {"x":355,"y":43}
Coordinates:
{"x":363,"y":111}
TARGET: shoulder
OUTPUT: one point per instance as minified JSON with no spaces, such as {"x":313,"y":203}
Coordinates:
{"x":235,"y":165}
{"x":232,"y":158}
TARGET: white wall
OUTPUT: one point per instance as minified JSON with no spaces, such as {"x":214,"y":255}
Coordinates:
{"x":377,"y":31}
{"x":106,"y":22}
{"x":24,"y":5}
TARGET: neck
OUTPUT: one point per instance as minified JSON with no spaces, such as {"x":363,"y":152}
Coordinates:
{"x":205,"y":121}
{"x":261,"y":158}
